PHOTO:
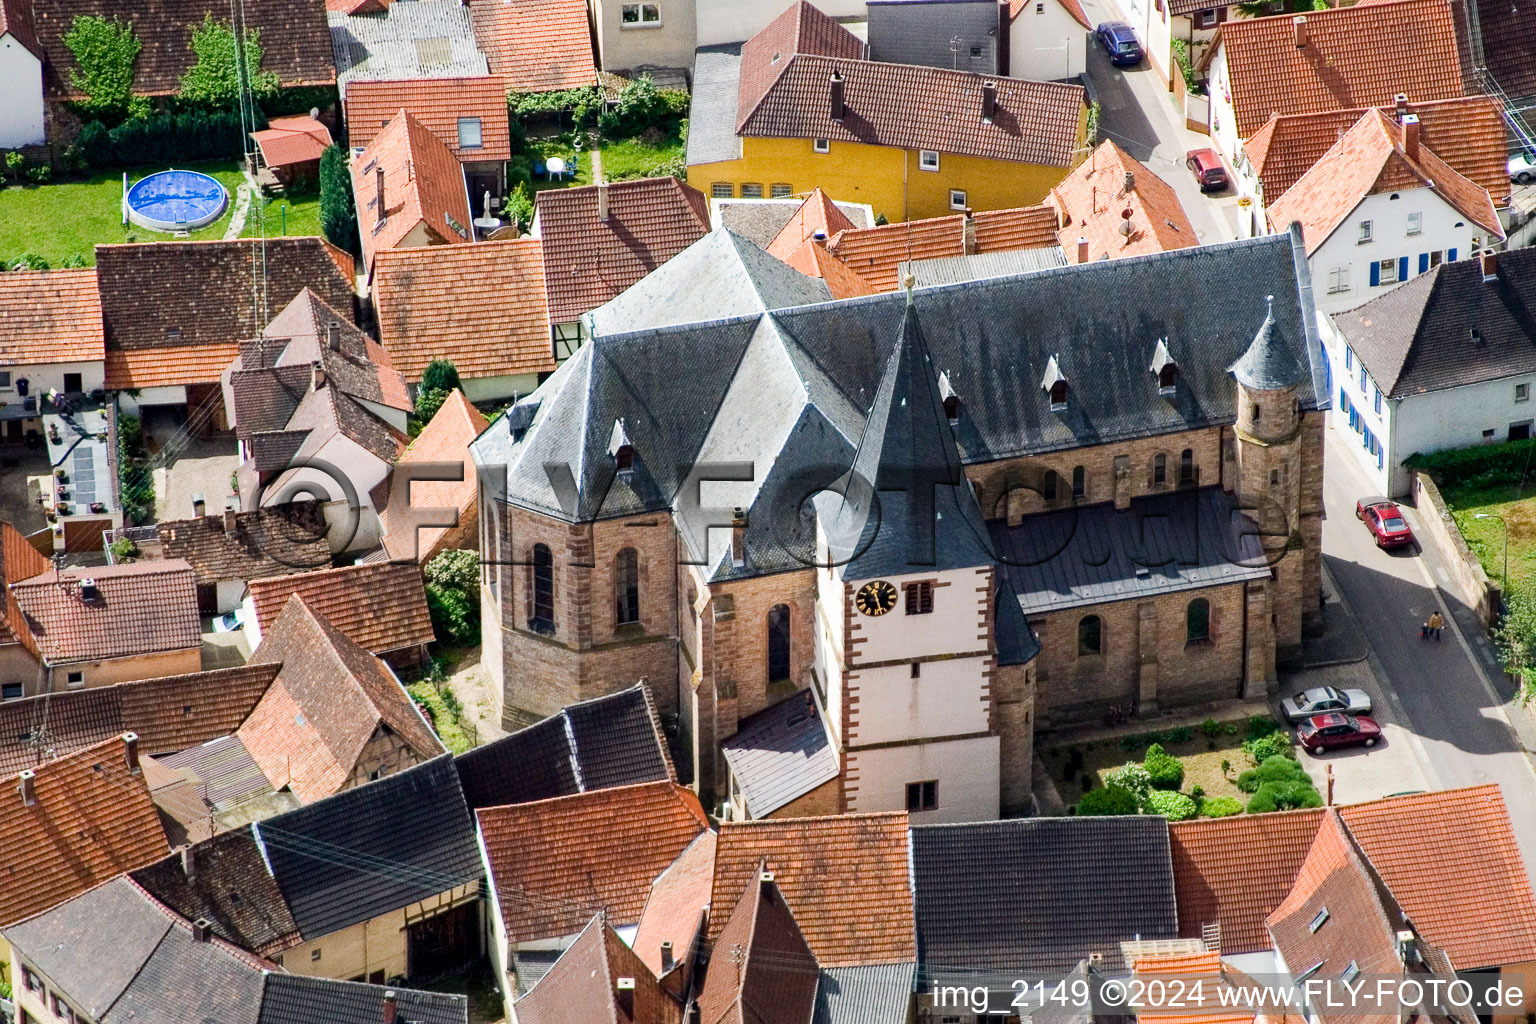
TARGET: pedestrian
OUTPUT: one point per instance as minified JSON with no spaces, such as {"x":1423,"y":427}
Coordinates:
{"x":1435,"y":622}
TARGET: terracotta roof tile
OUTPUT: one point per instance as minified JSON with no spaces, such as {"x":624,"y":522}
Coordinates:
{"x":802,"y":28}
{"x":536,"y":45}
{"x":380,"y":605}
{"x":18,"y":561}
{"x":329,"y":699}
{"x":92,"y":819}
{"x":582,"y":985}
{"x":481,"y":306}
{"x":423,"y":185}
{"x":763,"y":972}
{"x":445,"y":439}
{"x":1468,"y":132}
{"x":218,"y":311}
{"x":295,"y":43}
{"x":1233,"y":872}
{"x":556,"y":862}
{"x":1452,"y":864}
{"x":160,"y":367}
{"x":817,"y":214}
{"x":438,"y":103}
{"x":143,"y":608}
{"x":588,"y":261}
{"x":845,"y":877}
{"x":1093,"y":197}
{"x":16,"y":18}
{"x":1509,"y":45}
{"x":877,"y":253}
{"x":274,"y":541}
{"x":292,"y":140}
{"x":812,"y":259}
{"x":674,"y":909}
{"x":176,"y":712}
{"x":1354,"y":58}
{"x":38,"y":729}
{"x":1072,"y":7}
{"x":49,"y":316}
{"x":1025,"y":227}
{"x":1202,"y":975}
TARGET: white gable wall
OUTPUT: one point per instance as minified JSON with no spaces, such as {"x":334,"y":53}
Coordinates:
{"x":1046,"y":43}
{"x":21,"y":83}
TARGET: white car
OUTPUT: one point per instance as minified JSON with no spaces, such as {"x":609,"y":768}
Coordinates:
{"x":1522,"y":167}
{"x":229,"y":622}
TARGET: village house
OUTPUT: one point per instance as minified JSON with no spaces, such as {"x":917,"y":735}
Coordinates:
{"x":651,"y":37}
{"x":377,"y":39}
{"x":19,"y":666}
{"x":51,"y":340}
{"x":799,"y":107}
{"x":468,"y":115}
{"x":410,"y":190}
{"x":444,"y":441}
{"x":1039,"y":40}
{"x":228,"y":550}
{"x":381,"y":606}
{"x":1110,"y":206}
{"x":537,"y":46}
{"x":291,"y":148}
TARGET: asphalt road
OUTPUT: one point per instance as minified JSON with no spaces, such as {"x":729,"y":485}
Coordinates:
{"x":1444,"y":694}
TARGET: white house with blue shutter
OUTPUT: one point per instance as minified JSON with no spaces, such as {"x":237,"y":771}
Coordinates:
{"x":1379,"y":209}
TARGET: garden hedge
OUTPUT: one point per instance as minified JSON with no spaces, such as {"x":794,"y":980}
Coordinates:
{"x":1486,"y":465}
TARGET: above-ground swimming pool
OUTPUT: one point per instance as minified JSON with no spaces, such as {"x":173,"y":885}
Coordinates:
{"x":175,"y":201}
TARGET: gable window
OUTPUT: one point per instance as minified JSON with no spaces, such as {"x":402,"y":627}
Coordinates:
{"x":1415,"y":223}
{"x":1197,"y":621}
{"x":30,"y":981}
{"x":1364,"y":233}
{"x":1207,"y":19}
{"x":1386,"y":271}
{"x":543,"y":573}
{"x":1351,"y":972}
{"x":1522,"y":392}
{"x":1349,"y":358}
{"x":922,"y":796}
{"x":821,"y":145}
{"x":640,"y":15}
{"x":1090,"y":635}
{"x":751,"y":190}
{"x":1187,"y":466}
{"x":1079,"y":482}
{"x":1159,"y":469}
{"x":920,"y":598}
{"x":780,"y":191}
{"x":957,"y":199}
{"x":626,"y":587}
{"x":928,"y":159}
{"x":722,"y":190}
{"x":1338,"y":280}
{"x":778,"y":643}
{"x":75,"y":680}
{"x":470,"y":136}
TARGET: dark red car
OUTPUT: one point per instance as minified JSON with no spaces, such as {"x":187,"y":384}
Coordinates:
{"x":1210,"y":172}
{"x":1325,"y":732}
{"x":1385,"y":521}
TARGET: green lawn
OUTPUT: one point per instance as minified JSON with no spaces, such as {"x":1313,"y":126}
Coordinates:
{"x":633,"y":158}
{"x":559,"y":146}
{"x":295,"y":214}
{"x":72,"y":217}
{"x":1486,"y":537}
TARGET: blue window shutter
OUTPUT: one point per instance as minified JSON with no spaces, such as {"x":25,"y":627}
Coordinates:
{"x":1349,"y":357}
{"x":1402,"y":268}
{"x":1423,"y":262}
{"x":1450,"y":256}
{"x":1375,"y":274}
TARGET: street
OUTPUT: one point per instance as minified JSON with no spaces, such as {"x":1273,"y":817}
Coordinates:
{"x":1440,"y":693}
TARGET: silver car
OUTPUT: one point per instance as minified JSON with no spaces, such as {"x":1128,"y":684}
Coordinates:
{"x":1323,"y":700}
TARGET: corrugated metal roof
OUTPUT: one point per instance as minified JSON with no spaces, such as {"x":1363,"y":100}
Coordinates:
{"x":225,"y":769}
{"x":413,"y":40}
{"x":880,"y":994}
{"x":781,"y":754}
{"x":977,"y":267}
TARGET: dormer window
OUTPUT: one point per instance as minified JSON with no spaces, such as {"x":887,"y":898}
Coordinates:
{"x":951,"y":400}
{"x":622,"y":450}
{"x":1054,"y":384}
{"x":1166,"y":369}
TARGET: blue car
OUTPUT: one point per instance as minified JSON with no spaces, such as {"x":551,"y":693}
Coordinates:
{"x":1120,"y":43}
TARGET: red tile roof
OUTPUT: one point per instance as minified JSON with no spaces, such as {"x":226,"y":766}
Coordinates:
{"x":818,"y":214}
{"x":445,"y":439}
{"x":481,"y":306}
{"x":1092,"y":199}
{"x":536,"y":45}
{"x":423,"y":185}
{"x":802,"y":28}
{"x":674,"y":909}
{"x":173,"y":713}
{"x":556,"y":862}
{"x":588,"y":261}
{"x":1452,"y":863}
{"x":16,"y":18}
{"x":159,"y":367}
{"x":1467,"y":132}
{"x":1355,"y":57}
{"x":846,"y":878}
{"x":18,"y":561}
{"x":1233,"y":872}
{"x":50,"y":316}
{"x":1202,"y":975}
{"x":292,"y":140}
{"x":438,"y":103}
{"x":380,"y":605}
{"x":876,"y":254}
{"x":142,"y":608}
{"x":582,"y":986}
{"x":812,"y":259}
{"x":1369,"y":159}
{"x":763,"y":972}
{"x":91,"y":821}
{"x":1024,"y":227}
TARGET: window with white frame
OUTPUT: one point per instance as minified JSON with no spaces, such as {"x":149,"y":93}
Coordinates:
{"x":1388,"y":271}
{"x":821,"y":145}
{"x":1364,"y":232}
{"x":1415,"y":223}
{"x":722,"y":190}
{"x":5,"y":380}
{"x":751,"y":190}
{"x":640,"y":15}
{"x":780,"y":191}
{"x":1522,"y":392}
{"x":1206,"y":19}
{"x":470,"y":136}
{"x":1338,"y":280}
{"x":957,"y":199}
{"x":928,"y":159}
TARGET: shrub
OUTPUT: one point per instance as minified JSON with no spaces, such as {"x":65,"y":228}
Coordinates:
{"x":29,"y":261}
{"x":1130,"y":744}
{"x":1130,"y":777}
{"x":136,"y":484}
{"x":215,"y":79}
{"x":1149,"y":738}
{"x":338,"y":214}
{"x":1171,"y":805}
{"x":1276,"y":768}
{"x":105,"y":52}
{"x":1186,"y":68}
{"x":1265,"y":747}
{"x":439,"y":375}
{"x":1262,"y":725}
{"x":520,"y":207}
{"x":1197,"y":791}
{"x":640,"y":107}
{"x":1211,"y":728}
{"x":74,"y":259}
{"x":453,"y":596}
{"x":1164,"y":771}
{"x":1220,"y":807}
{"x":1284,"y":796}
{"x":124,"y":550}
{"x":1226,"y":767}
{"x":41,"y":174}
{"x":1230,"y":728}
{"x":1181,"y":734}
{"x":1108,"y":800}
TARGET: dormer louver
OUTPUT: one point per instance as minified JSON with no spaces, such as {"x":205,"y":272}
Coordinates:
{"x":622,"y":451}
{"x":1166,"y":369}
{"x":520,"y":416}
{"x":1054,"y":384}
{"x":951,"y":400}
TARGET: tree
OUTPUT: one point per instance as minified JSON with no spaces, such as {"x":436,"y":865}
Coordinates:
{"x":105,"y":52}
{"x":1108,"y":800}
{"x":440,"y":375}
{"x":215,"y":79}
{"x":453,"y":596}
{"x":338,"y":212}
{"x":1515,"y":637}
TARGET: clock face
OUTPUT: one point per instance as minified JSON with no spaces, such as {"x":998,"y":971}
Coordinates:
{"x":876,"y":598}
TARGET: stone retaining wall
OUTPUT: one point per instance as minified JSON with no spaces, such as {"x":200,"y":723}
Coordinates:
{"x":1468,"y":580}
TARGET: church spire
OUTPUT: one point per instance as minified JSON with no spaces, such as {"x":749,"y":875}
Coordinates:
{"x":1269,"y":364}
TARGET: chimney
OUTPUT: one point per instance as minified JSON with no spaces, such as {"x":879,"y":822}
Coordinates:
{"x":624,"y":995}
{"x":765,"y":885}
{"x":1400,"y":105}
{"x":969,"y":241}
{"x":378,"y":177}
{"x":602,"y":201}
{"x":391,"y":1007}
{"x":1490,"y":262}
{"x":230,"y":525}
{"x":1082,"y":249}
{"x":1130,"y":182}
{"x":1300,"y":24}
{"x":1411,"y":136}
{"x":988,"y":101}
{"x":1407,"y":947}
{"x":333,"y":336}
{"x":667,"y":962}
{"x":836,"y":96}
{"x":1004,"y":41}
{"x":200,"y":929}
{"x":131,"y":752}
{"x":27,"y":789}
{"x":199,"y":506}
{"x":316,"y":376}
{"x":188,"y":863}
{"x":738,"y":536}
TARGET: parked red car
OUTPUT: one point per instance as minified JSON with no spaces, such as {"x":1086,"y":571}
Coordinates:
{"x":1325,"y":732}
{"x":1210,"y":172}
{"x":1386,"y":523}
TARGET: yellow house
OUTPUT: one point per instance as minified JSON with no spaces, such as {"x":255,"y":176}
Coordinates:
{"x":799,"y":108}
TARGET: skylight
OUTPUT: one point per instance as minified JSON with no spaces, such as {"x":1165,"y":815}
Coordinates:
{"x":1318,"y":921}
